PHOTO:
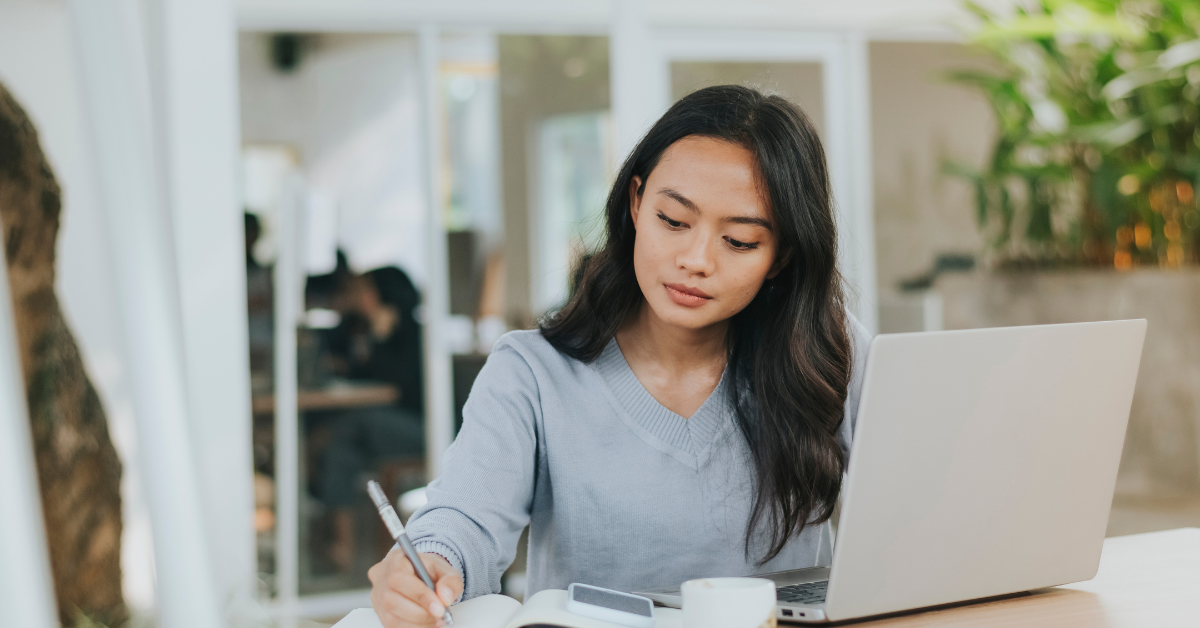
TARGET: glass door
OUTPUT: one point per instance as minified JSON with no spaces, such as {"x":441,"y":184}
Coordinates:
{"x":343,"y":289}
{"x":367,"y":157}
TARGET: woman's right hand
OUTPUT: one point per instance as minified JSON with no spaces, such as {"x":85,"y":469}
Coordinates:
{"x":401,"y":599}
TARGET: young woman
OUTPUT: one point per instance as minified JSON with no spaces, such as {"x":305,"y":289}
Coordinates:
{"x":689,"y":410}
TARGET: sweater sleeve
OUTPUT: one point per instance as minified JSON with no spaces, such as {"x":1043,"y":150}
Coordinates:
{"x":480,"y":504}
{"x":860,"y":341}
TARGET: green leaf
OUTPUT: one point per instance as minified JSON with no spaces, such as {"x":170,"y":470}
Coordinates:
{"x":1180,"y":55}
{"x":1125,"y":84}
{"x":1080,"y":22}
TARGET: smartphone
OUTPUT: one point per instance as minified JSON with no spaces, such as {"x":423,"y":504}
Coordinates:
{"x":611,"y":606}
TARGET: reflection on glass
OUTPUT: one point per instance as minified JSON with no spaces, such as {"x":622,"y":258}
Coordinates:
{"x":264,"y":169}
{"x":474,"y":220}
{"x":471,"y":143}
{"x":362,"y":415}
{"x":339,"y":124}
{"x":556,"y":161}
{"x":574,"y":153}
{"x":525,"y":164}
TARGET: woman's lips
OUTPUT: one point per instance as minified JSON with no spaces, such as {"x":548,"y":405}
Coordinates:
{"x":685,"y":296}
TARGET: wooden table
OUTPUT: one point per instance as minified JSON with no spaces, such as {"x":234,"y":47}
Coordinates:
{"x":1148,"y":579}
{"x":340,"y":396}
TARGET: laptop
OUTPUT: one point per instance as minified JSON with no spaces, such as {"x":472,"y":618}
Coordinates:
{"x":983,"y":464}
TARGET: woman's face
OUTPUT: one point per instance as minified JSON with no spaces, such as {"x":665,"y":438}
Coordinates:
{"x":706,"y":239}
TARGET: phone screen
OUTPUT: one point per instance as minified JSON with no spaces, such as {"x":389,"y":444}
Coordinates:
{"x":616,"y":601}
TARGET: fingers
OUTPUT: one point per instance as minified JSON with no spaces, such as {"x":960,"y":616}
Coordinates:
{"x":447,"y":592}
{"x":413,"y":588}
{"x":401,"y":598}
{"x":448,"y":581}
{"x":396,"y":611}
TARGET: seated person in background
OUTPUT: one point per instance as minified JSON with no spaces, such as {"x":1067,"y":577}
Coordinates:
{"x":260,"y":298}
{"x":379,"y":340}
{"x":689,"y":411}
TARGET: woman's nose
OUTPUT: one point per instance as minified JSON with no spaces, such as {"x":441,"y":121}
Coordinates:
{"x":696,"y":258}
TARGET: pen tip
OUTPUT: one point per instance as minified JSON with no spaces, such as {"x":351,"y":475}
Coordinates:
{"x":376,"y":493}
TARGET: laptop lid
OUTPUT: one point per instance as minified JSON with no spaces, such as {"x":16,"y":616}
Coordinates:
{"x":983,"y":463}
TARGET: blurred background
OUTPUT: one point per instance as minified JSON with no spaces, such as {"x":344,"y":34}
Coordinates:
{"x":292,"y":231}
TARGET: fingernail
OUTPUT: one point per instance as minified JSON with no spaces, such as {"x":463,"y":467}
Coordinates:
{"x":437,"y":609}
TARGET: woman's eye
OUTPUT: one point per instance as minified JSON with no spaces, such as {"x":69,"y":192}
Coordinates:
{"x":674,"y":224}
{"x":742,"y":246}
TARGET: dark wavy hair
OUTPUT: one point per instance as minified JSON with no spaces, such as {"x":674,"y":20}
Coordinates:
{"x":788,"y":350}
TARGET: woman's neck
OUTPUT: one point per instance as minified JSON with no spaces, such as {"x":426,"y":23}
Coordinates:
{"x":679,"y":367}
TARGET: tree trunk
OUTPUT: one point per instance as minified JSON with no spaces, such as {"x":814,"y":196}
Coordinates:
{"x":78,"y":468}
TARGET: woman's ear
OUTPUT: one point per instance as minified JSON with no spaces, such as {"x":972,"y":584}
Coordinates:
{"x":781,"y":261}
{"x":635,"y":199}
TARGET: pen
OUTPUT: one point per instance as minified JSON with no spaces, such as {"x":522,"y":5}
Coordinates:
{"x":396,"y":529}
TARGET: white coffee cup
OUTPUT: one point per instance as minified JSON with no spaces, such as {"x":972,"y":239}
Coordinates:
{"x":728,"y":603}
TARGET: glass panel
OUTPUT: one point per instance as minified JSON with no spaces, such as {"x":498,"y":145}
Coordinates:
{"x":474,"y":217}
{"x":573,"y":157}
{"x":798,"y":82}
{"x":265,"y":168}
{"x":345,"y":108}
{"x":556,"y":145}
{"x":526,"y":115}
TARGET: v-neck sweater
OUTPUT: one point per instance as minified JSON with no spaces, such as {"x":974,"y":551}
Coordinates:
{"x":617,"y":490}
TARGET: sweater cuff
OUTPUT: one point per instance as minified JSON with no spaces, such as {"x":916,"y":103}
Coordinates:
{"x":445,"y":551}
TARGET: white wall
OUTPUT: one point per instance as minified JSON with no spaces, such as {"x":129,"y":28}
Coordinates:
{"x":38,"y":66}
{"x":918,"y":119}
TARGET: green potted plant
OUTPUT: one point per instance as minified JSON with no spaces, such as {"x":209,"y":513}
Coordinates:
{"x":1097,"y":149}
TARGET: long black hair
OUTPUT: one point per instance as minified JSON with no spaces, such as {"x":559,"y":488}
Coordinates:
{"x":788,"y":350}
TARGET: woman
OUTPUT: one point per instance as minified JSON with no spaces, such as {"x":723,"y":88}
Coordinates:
{"x":689,"y":410}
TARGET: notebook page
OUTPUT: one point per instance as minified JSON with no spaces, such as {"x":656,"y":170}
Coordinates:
{"x":488,"y":611}
{"x":550,"y":607}
{"x":485,"y":611}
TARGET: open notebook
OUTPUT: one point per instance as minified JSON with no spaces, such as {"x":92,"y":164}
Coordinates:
{"x":545,"y":608}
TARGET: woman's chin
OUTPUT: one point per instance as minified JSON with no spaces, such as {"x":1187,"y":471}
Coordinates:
{"x":692,"y":318}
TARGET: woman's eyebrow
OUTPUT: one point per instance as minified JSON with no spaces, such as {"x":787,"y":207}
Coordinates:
{"x":750,"y":220}
{"x":680,"y":198}
{"x":695,"y":209}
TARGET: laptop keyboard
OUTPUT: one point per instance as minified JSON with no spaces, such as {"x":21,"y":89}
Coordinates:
{"x":805,"y":594}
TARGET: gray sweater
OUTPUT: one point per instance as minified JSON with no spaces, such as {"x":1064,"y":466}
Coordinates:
{"x":618,"y":491}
